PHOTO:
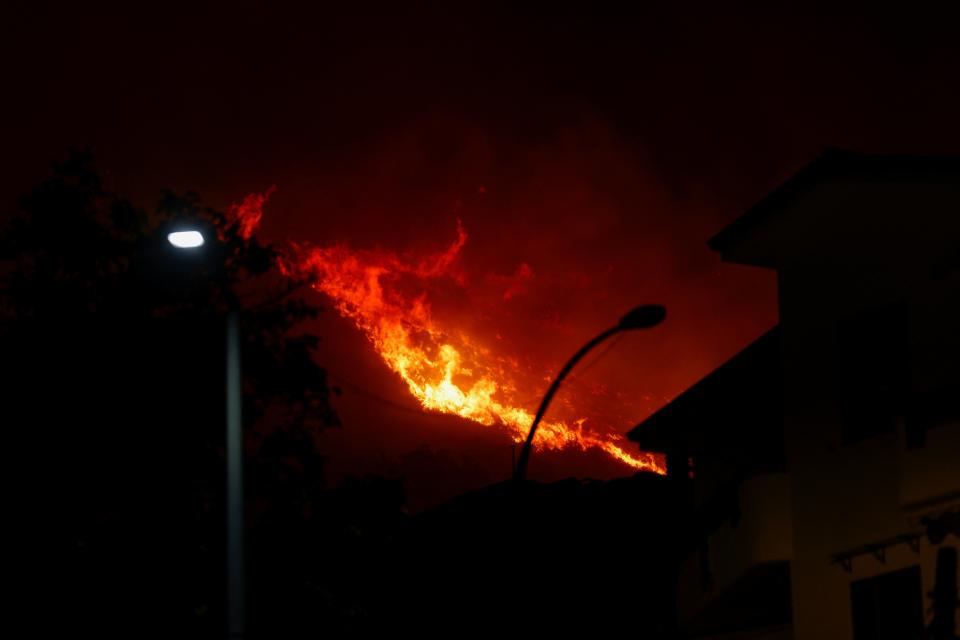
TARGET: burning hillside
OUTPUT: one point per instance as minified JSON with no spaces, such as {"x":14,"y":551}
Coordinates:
{"x":447,"y":370}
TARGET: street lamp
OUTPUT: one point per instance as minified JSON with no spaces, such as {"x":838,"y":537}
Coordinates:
{"x":189,"y":239}
{"x":642,"y":317}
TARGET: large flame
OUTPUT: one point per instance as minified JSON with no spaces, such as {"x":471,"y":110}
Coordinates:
{"x":445,"y":369}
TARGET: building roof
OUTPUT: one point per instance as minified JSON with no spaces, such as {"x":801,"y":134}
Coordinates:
{"x":742,"y":395}
{"x":854,"y":195}
{"x":833,"y":164}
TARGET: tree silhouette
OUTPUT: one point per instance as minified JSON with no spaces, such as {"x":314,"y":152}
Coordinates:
{"x":113,"y":381}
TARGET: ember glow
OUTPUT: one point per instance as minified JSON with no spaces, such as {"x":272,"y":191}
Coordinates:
{"x":445,"y":369}
{"x":248,"y":213}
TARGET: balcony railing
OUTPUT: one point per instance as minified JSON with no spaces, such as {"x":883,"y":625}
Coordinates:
{"x":929,"y":473}
{"x":757,"y":536}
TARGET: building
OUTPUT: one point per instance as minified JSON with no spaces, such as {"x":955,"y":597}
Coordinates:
{"x":821,"y":465}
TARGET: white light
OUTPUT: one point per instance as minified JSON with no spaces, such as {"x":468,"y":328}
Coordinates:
{"x":185,"y":239}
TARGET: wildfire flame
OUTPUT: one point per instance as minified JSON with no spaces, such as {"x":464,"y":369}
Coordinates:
{"x":443,"y":368}
{"x":248,"y":213}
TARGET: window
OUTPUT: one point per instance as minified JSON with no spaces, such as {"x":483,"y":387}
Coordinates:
{"x":928,"y":409}
{"x":889,"y":606}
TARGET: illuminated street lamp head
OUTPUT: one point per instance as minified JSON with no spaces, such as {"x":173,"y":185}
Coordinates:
{"x":185,"y":239}
{"x":643,"y":317}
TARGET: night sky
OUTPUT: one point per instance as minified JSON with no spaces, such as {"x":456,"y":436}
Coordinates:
{"x":588,"y":152}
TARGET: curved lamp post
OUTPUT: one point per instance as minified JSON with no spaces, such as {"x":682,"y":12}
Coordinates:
{"x":642,"y":317}
{"x":190,"y":240}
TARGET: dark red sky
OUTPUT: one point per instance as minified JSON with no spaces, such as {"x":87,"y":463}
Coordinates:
{"x":609,"y":145}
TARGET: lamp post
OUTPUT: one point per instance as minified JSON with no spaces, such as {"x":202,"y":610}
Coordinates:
{"x":190,"y":240}
{"x":642,"y":317}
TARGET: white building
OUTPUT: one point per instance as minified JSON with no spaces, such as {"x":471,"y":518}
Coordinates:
{"x":826,"y":456}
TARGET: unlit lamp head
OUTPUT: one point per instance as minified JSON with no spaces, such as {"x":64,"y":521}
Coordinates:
{"x":643,"y":317}
{"x":185,"y":239}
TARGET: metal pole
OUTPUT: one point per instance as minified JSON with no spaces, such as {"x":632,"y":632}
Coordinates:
{"x":235,"y":582}
{"x":521,"y":468}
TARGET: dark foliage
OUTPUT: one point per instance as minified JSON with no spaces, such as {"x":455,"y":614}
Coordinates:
{"x":113,"y":367}
{"x":574,"y":558}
